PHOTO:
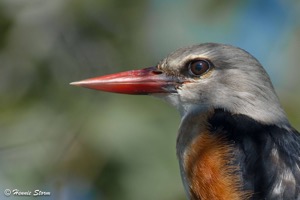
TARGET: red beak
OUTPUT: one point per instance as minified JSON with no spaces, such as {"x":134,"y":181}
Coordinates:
{"x":143,"y":81}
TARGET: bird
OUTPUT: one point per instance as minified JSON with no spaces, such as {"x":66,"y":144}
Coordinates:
{"x":235,"y":140}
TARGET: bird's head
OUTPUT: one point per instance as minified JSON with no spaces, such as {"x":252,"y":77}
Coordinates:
{"x":202,"y":77}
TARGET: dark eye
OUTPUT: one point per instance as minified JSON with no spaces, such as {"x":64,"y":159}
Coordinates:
{"x":199,"y":67}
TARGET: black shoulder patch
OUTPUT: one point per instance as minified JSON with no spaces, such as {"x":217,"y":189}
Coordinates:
{"x":264,"y":154}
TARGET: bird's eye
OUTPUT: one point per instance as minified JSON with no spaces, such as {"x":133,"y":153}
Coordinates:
{"x":198,"y":67}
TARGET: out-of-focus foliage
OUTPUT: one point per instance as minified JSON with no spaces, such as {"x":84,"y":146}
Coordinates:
{"x":82,"y":144}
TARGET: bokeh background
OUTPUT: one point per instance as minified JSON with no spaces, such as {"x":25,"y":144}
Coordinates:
{"x":83,"y":144}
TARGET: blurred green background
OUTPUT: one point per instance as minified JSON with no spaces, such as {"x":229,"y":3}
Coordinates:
{"x":83,"y":144}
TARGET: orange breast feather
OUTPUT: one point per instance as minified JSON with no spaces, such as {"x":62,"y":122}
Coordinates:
{"x":209,"y":167}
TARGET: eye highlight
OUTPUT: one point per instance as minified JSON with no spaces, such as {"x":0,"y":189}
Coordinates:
{"x":198,"y":67}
